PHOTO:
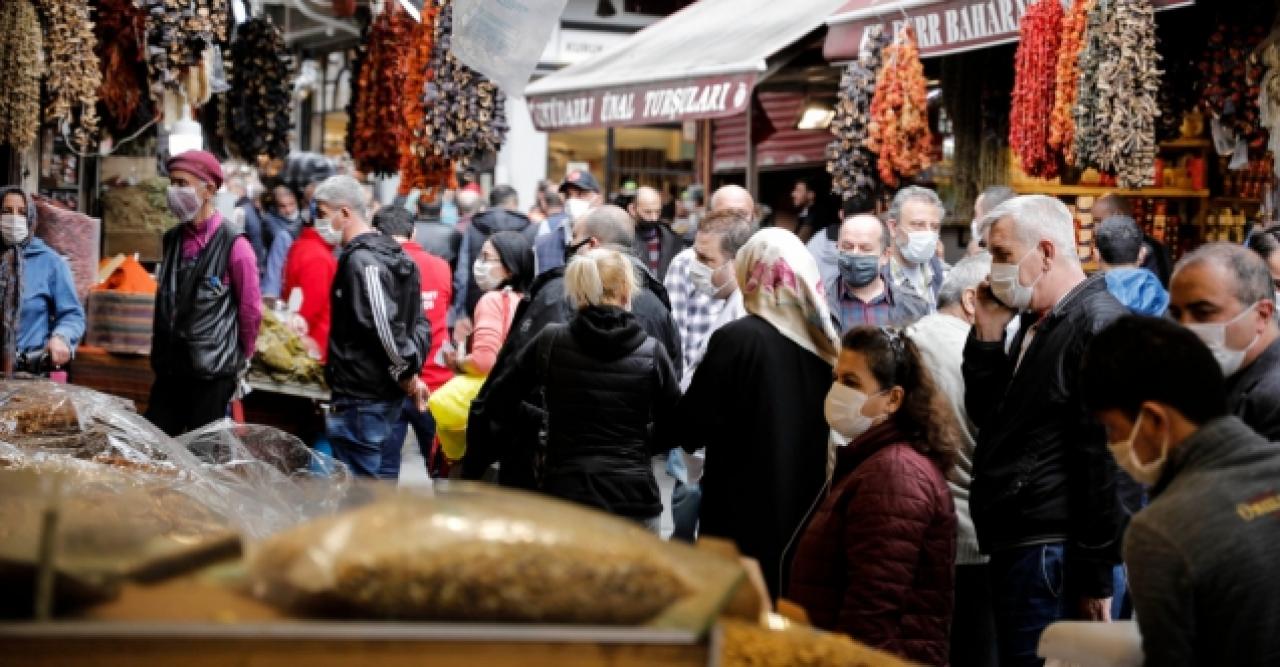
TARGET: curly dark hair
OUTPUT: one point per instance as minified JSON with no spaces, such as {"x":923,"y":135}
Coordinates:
{"x":925,"y":417}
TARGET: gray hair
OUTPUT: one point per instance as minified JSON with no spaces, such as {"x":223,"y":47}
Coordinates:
{"x":343,"y":191}
{"x":1253,"y":278}
{"x":1037,"y":218}
{"x":734,"y":228}
{"x":611,"y":226}
{"x":965,"y":275}
{"x":914,"y":193}
{"x":1119,"y":240}
{"x":995,"y":196}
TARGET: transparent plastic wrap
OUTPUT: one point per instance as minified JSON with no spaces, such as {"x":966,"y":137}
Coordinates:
{"x":260,"y":479}
{"x":475,"y":553}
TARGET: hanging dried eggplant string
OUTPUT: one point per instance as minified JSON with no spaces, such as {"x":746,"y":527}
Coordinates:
{"x":178,"y":32}
{"x":21,"y":65}
{"x":1062,"y":125}
{"x":378,"y":119}
{"x":1034,"y":81}
{"x":1228,"y":82}
{"x":466,"y":112}
{"x":258,"y":106}
{"x":420,"y":168}
{"x":899,"y":128}
{"x":73,"y":75}
{"x":852,"y":166}
{"x":121,"y":30}
{"x":1118,"y":110}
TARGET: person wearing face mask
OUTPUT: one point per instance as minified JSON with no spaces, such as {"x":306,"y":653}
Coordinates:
{"x":825,"y":246}
{"x":1224,"y":294}
{"x":876,"y":561}
{"x":310,"y":267}
{"x":1044,"y":496}
{"x":285,"y":222}
{"x":504,"y":270}
{"x":862,"y":293}
{"x":39,"y":309}
{"x":941,"y":337}
{"x":1201,"y":555}
{"x":656,"y":245}
{"x":915,"y":218}
{"x":379,"y":336}
{"x":546,"y":303}
{"x":611,"y":392}
{"x":579,"y":194}
{"x":712,"y":275}
{"x":208,"y":305}
{"x":503,"y":215}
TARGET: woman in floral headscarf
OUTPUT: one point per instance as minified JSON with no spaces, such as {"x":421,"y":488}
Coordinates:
{"x":756,"y":403}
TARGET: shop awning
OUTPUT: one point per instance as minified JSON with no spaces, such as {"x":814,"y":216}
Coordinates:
{"x":700,"y":62}
{"x":943,"y":27}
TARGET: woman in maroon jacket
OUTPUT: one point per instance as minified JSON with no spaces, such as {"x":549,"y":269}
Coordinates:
{"x":877,"y":560}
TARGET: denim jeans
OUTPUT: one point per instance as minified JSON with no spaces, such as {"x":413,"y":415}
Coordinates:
{"x":1027,"y":597}
{"x":358,"y":429}
{"x":424,"y":429}
{"x":1121,"y":603}
{"x":686,"y":499}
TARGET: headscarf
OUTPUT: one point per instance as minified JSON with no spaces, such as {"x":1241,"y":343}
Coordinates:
{"x":781,"y":284}
{"x":11,"y":285}
{"x":516,"y":255}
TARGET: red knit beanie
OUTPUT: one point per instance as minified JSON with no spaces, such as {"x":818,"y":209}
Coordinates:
{"x":201,"y":164}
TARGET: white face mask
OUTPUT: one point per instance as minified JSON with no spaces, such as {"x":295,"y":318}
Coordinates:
{"x":1214,"y":335}
{"x":703,"y":278}
{"x":13,"y":229}
{"x":843,"y":410}
{"x":576,"y":208}
{"x":920,"y":247}
{"x":483,"y":272}
{"x":324,"y":227}
{"x":1007,"y":285}
{"x":1144,"y":473}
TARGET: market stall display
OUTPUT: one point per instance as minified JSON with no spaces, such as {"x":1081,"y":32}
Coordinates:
{"x":1229,"y":86}
{"x":1035,"y":80}
{"x":21,"y":68}
{"x":1062,"y":126}
{"x":282,"y":355}
{"x":178,"y":34}
{"x":850,"y":163}
{"x":76,"y":237}
{"x":121,"y":31}
{"x":73,"y":71}
{"x":899,"y":131}
{"x":259,"y":104}
{"x":136,"y":216}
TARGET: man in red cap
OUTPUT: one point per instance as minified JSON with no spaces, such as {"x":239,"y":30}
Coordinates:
{"x":208,"y":306}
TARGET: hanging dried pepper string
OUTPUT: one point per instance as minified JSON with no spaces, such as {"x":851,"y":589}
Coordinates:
{"x":899,"y":128}
{"x":121,"y":31}
{"x":1062,"y":124}
{"x":419,"y":167}
{"x":379,"y":118}
{"x":1035,"y":79}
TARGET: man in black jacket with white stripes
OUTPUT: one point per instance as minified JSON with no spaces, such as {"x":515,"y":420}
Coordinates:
{"x":378,"y":338}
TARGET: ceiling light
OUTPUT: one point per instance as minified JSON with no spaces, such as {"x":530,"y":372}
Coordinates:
{"x":817,"y":115}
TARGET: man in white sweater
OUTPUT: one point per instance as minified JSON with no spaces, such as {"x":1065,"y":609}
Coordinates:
{"x":941,"y":338}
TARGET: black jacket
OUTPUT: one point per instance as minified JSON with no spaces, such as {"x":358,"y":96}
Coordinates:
{"x":1042,"y":472}
{"x":483,"y":226}
{"x":1253,"y":393}
{"x":439,"y":239}
{"x":194,"y":331}
{"x":608,"y":388}
{"x":378,"y":335}
{"x":511,"y":440}
{"x":669,"y":245}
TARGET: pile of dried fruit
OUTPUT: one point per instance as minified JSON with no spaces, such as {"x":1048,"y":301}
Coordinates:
{"x":899,"y":129}
{"x":178,"y":32}
{"x":1062,"y":125}
{"x":121,"y":30}
{"x":73,"y":74}
{"x":259,"y":104}
{"x":1035,"y":79}
{"x":466,"y":112}
{"x":851,"y":164}
{"x":20,"y":69}
{"x":378,"y":120}
{"x":419,"y":166}
{"x":1116,"y":110}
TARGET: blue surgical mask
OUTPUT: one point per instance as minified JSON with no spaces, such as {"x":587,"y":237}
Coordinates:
{"x":858,"y":270}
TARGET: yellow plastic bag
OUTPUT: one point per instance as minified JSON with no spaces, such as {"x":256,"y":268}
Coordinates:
{"x":450,"y":406}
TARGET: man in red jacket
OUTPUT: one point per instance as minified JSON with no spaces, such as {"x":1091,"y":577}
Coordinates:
{"x":310,"y":266}
{"x":437,"y":291}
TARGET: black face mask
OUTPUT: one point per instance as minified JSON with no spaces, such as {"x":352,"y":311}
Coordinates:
{"x":647,"y":225}
{"x":858,"y":270}
{"x":573,"y":248}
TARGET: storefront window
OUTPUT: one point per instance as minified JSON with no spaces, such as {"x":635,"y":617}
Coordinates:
{"x":661,"y":157}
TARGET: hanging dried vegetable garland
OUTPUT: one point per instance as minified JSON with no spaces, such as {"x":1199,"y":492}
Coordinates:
{"x":851,"y":165}
{"x":1116,"y":110}
{"x":178,"y":32}
{"x":73,"y":76}
{"x":1229,"y":82}
{"x":419,"y":167}
{"x":1062,"y":124}
{"x":121,"y":29}
{"x":378,"y":120}
{"x":1035,"y":77}
{"x":466,"y":112}
{"x":21,"y":65}
{"x":899,"y":129}
{"x":259,"y":104}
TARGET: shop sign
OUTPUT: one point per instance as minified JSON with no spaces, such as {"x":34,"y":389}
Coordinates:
{"x":571,"y":45}
{"x":643,"y":104}
{"x":942,"y":28}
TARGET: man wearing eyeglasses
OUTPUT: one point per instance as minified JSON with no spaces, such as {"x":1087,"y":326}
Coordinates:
{"x":1224,"y":294}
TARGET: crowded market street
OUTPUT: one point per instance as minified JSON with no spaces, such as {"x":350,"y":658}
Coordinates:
{"x":733,"y":333}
